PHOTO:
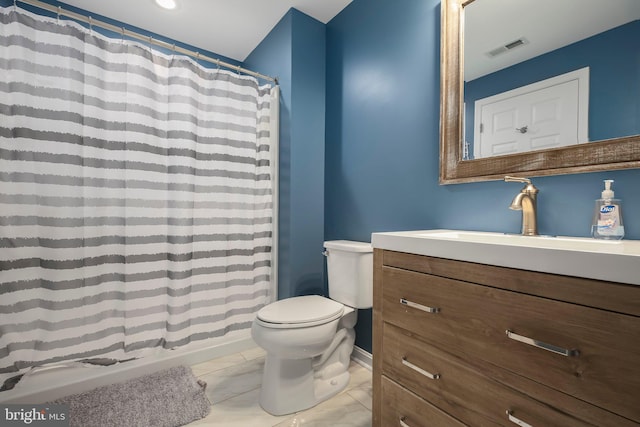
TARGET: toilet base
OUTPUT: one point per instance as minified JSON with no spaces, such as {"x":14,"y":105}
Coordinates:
{"x":288,"y":386}
{"x":326,"y":389}
{"x":292,"y":382}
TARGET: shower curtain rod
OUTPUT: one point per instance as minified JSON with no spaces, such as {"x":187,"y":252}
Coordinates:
{"x":147,"y":39}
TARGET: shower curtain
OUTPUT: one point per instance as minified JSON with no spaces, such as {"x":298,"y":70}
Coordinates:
{"x":136,"y":196}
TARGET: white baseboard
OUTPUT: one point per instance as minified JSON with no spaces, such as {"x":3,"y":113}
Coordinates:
{"x":362,"y":357}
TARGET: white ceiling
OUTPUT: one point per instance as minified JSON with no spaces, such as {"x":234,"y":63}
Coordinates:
{"x":232,"y":28}
{"x":546,"y":24}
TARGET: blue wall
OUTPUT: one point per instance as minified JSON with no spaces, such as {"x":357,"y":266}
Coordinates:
{"x":613,"y":59}
{"x":381,"y":169}
{"x":295,"y":52}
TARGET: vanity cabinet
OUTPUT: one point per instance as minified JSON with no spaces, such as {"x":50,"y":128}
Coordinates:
{"x":458,"y":343}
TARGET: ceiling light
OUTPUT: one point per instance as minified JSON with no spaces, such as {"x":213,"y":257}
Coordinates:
{"x":167,"y":4}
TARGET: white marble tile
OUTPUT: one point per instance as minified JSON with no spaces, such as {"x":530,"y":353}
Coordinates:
{"x":360,"y":384}
{"x":364,"y":395}
{"x":340,"y":411}
{"x":216,"y":364}
{"x":242,"y":411}
{"x":253,"y":353}
{"x":359,"y":375}
{"x":233,"y":386}
{"x":229,"y":382}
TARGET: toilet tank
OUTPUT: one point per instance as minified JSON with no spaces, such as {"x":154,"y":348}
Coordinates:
{"x":350,"y":271}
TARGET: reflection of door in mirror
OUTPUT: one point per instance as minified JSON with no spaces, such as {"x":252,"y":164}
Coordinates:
{"x":512,"y":44}
{"x":548,"y":114}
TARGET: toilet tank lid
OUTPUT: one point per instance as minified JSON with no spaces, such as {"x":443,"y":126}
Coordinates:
{"x":304,"y":309}
{"x":348,"y":246}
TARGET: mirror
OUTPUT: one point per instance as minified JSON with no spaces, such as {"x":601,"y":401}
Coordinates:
{"x":532,"y":68}
{"x":615,"y":147}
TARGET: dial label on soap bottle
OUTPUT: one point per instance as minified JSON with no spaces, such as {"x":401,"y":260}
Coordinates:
{"x":609,"y":220}
{"x":607,"y":215}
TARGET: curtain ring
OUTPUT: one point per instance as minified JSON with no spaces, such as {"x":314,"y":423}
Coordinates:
{"x":218,"y":63}
{"x":59,"y":14}
{"x":91,"y":24}
{"x":122,"y":32}
{"x":173,"y":52}
{"x":238,"y":68}
{"x":150,"y":44}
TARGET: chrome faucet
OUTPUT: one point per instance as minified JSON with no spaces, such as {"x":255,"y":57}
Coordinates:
{"x":525,"y":201}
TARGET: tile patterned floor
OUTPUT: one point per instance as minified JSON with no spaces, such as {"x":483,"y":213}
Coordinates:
{"x":233,"y":386}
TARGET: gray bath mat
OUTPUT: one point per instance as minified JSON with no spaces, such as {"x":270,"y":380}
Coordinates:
{"x":168,"y":398}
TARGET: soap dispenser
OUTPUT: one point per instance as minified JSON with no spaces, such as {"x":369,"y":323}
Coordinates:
{"x":607,"y":216}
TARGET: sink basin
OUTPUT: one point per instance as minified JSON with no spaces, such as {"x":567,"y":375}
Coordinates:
{"x":616,"y":261}
{"x":550,"y":242}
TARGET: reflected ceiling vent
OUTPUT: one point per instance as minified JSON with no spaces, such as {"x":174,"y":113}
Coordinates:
{"x":507,"y":47}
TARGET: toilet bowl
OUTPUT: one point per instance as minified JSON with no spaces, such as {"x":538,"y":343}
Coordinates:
{"x":309,"y":339}
{"x":296,"y":375}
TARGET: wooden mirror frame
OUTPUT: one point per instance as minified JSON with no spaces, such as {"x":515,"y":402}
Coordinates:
{"x":616,"y":153}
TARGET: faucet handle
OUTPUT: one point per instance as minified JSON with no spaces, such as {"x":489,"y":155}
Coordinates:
{"x":529,"y":188}
{"x":517,"y":179}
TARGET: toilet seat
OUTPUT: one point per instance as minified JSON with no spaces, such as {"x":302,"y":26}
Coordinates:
{"x":299,"y":312}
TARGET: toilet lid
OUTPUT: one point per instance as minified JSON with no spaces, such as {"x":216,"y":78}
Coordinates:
{"x":305,"y":309}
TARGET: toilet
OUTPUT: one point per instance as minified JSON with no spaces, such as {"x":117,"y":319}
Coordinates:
{"x":309,"y":339}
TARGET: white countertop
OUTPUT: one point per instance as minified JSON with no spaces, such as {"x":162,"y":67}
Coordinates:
{"x":615,"y":261}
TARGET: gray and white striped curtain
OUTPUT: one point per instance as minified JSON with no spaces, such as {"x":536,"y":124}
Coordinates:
{"x":136,"y":196}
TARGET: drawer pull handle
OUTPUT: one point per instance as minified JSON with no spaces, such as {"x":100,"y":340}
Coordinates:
{"x":542,"y":345}
{"x":418,"y":369}
{"x":402,"y":423}
{"x":517,"y":420}
{"x":419,"y":306}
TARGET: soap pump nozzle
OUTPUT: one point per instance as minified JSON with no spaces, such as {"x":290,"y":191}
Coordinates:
{"x":607,"y":193}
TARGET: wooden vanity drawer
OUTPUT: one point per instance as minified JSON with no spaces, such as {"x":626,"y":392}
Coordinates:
{"x":400,"y":406}
{"x":471,"y":396}
{"x":471,"y":321}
